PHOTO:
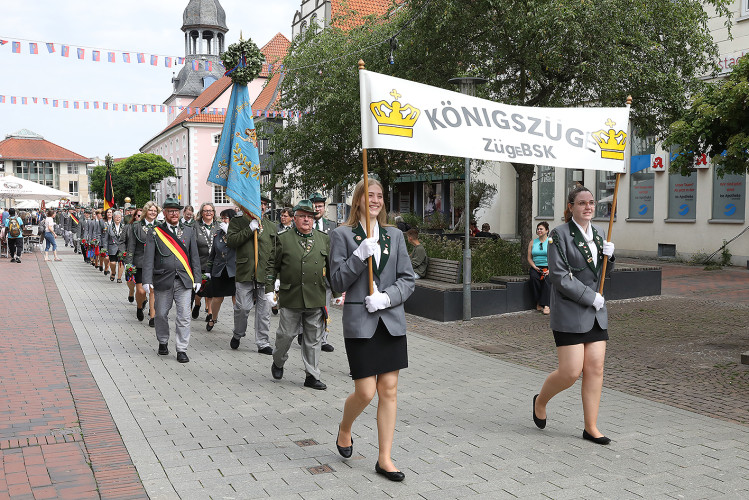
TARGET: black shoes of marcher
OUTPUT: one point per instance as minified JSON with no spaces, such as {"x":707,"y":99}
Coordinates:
{"x":327,"y":348}
{"x":313,"y":383}
{"x":151,"y":323}
{"x":345,"y":451}
{"x":276,"y":371}
{"x":209,"y":326}
{"x":208,"y":317}
{"x":196,"y":311}
{"x":266,"y":350}
{"x":182,"y":357}
{"x":163,"y":349}
{"x":393,"y":476}
{"x":139,"y":313}
{"x":599,"y":440}
{"x":130,"y":298}
{"x":299,"y":339}
{"x":540,"y":422}
{"x":234,"y":343}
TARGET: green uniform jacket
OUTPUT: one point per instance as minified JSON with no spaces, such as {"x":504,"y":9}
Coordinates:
{"x":303,"y":274}
{"x":240,"y":238}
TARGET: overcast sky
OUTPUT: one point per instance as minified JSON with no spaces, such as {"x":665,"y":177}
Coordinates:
{"x":148,"y":26}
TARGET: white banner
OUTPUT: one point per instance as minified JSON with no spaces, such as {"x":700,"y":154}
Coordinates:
{"x":408,"y":116}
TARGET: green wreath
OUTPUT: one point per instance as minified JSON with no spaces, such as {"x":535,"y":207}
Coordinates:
{"x":254,"y":60}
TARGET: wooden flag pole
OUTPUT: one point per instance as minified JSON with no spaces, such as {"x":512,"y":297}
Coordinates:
{"x":611,"y":220}
{"x":366,"y":206}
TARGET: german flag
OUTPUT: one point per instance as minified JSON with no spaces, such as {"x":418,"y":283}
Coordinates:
{"x":108,"y":191}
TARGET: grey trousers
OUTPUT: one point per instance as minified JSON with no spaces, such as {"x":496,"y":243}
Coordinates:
{"x":328,"y":296}
{"x":243,"y":306}
{"x":182,"y":296}
{"x":68,"y":236}
{"x":312,"y":330}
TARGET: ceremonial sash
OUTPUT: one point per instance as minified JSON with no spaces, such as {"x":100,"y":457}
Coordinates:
{"x":176,"y":248}
{"x":75,"y":219}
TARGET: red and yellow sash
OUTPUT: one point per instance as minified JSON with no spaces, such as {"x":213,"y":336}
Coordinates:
{"x":176,"y":248}
{"x":75,"y":219}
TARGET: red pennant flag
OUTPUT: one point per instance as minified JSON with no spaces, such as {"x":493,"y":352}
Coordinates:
{"x":16,"y":47}
{"x":134,"y":107}
{"x":85,"y":105}
{"x":141,"y":57}
{"x":195,"y":65}
{"x":161,"y":109}
{"x":106,"y":105}
{"x":124,"y":107}
{"x":153,"y":108}
{"x":154,"y":60}
{"x":65,"y":51}
{"x":50,"y":47}
{"x":34,"y":99}
{"x":64,"y":104}
{"x":96,"y":104}
{"x":3,"y":42}
{"x":2,"y":98}
{"x":96,"y":55}
{"x":144,"y":108}
{"x":81,"y":53}
{"x":114,"y":107}
{"x":45,"y":100}
{"x":111,"y":57}
{"x":209,"y":66}
{"x":23,"y":100}
{"x":180,"y":60}
{"x":12,"y":99}
{"x":75,"y":104}
{"x":33,"y":48}
{"x":168,"y":62}
{"x":126,"y":57}
{"x":55,"y":103}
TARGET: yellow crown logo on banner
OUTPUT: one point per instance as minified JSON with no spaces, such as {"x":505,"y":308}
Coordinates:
{"x":394,"y":118}
{"x":611,"y":142}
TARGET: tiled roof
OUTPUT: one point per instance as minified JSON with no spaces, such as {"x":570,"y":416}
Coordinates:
{"x":274,"y":51}
{"x":203,"y":100}
{"x":363,"y":8}
{"x":269,"y":96}
{"x":37,"y":149}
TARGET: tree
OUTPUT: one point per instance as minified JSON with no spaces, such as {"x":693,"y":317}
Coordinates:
{"x":324,"y":145}
{"x":533,"y":52}
{"x":143,"y":170}
{"x":132,"y":177}
{"x":480,"y":193}
{"x":715,"y":122}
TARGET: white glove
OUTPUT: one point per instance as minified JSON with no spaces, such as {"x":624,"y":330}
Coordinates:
{"x":598,"y":301}
{"x":196,"y":287}
{"x":277,"y":285}
{"x":224,"y":227}
{"x":254,"y":225}
{"x":338,"y":301}
{"x":378,"y":300}
{"x":208,"y":275}
{"x":367,"y":248}
{"x":271,"y":297}
{"x":608,"y":248}
{"x":147,"y":287}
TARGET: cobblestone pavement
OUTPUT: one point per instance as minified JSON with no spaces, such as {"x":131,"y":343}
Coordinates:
{"x":221,"y":427}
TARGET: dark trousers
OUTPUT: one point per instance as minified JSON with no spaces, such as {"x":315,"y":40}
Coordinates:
{"x":540,"y":288}
{"x":15,"y":247}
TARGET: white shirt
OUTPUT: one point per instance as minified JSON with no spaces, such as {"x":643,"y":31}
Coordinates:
{"x":378,"y":250}
{"x":588,"y":235}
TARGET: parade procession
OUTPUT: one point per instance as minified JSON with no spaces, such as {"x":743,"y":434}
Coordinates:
{"x":414,"y":249}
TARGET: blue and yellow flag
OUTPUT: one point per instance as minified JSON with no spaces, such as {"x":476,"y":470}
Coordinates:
{"x":237,"y":162}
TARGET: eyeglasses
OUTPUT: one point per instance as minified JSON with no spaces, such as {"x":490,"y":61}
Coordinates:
{"x":207,"y":211}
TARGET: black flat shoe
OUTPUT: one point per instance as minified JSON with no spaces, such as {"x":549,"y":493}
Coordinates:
{"x":314,"y":383}
{"x":182,"y":357}
{"x":276,"y":372}
{"x":196,"y":311}
{"x":599,"y":440}
{"x":130,"y":298}
{"x":163,"y":349}
{"x":266,"y":350}
{"x":234,"y":343}
{"x":540,"y":422}
{"x":150,"y":323}
{"x":209,"y":326}
{"x":393,"y":476}
{"x":208,"y":318}
{"x":327,"y":348}
{"x":111,"y":278}
{"x":139,"y":313}
{"x":345,"y":451}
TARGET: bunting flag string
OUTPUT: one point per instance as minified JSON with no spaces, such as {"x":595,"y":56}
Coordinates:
{"x":81,"y":104}
{"x":96,"y":52}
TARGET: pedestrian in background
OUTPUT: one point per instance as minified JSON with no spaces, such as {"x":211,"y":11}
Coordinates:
{"x":579,"y":319}
{"x":374,"y":326}
{"x":49,"y":235}
{"x":539,"y":271}
{"x":13,"y":226}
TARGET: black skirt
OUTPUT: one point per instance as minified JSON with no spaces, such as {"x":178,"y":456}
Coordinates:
{"x":595,"y":334}
{"x":382,"y":353}
{"x":221,"y":286}
{"x":138,"y":275}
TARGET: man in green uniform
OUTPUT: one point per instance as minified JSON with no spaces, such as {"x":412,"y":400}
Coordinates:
{"x":250,"y":284}
{"x":301,"y":263}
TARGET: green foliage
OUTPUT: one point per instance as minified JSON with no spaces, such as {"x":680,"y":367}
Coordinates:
{"x":132,"y":177}
{"x":412,"y":219}
{"x":715,"y":122}
{"x":725,"y":255}
{"x":488,"y":258}
{"x":254,"y":60}
{"x":480,"y":193}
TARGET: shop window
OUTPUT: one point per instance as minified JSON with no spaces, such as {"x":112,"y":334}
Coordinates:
{"x":545,"y":184}
{"x":604,"y":192}
{"x":729,"y":197}
{"x":641,"y":178}
{"x":682,"y":196}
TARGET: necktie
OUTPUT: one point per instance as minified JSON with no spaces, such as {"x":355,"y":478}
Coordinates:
{"x":174,"y":229}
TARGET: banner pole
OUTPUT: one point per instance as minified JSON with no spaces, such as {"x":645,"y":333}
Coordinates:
{"x":611,"y":220}
{"x":366,"y":206}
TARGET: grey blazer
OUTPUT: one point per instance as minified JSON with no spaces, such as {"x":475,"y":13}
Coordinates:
{"x":160,"y":266}
{"x":348,"y":273}
{"x":327,"y":225}
{"x":200,"y":234}
{"x":136,"y":243}
{"x":111,"y":241}
{"x":222,"y":257}
{"x":574,"y":280}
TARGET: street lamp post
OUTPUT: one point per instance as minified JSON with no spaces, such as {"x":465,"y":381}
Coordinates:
{"x":468,"y":87}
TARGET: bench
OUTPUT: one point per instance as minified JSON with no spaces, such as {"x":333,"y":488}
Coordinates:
{"x":443,"y":270}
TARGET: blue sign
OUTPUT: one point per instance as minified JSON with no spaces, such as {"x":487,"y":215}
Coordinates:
{"x":684,"y":209}
{"x":643,"y":209}
{"x":730,"y":210}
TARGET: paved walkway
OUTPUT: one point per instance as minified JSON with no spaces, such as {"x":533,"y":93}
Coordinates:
{"x":221,"y":427}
